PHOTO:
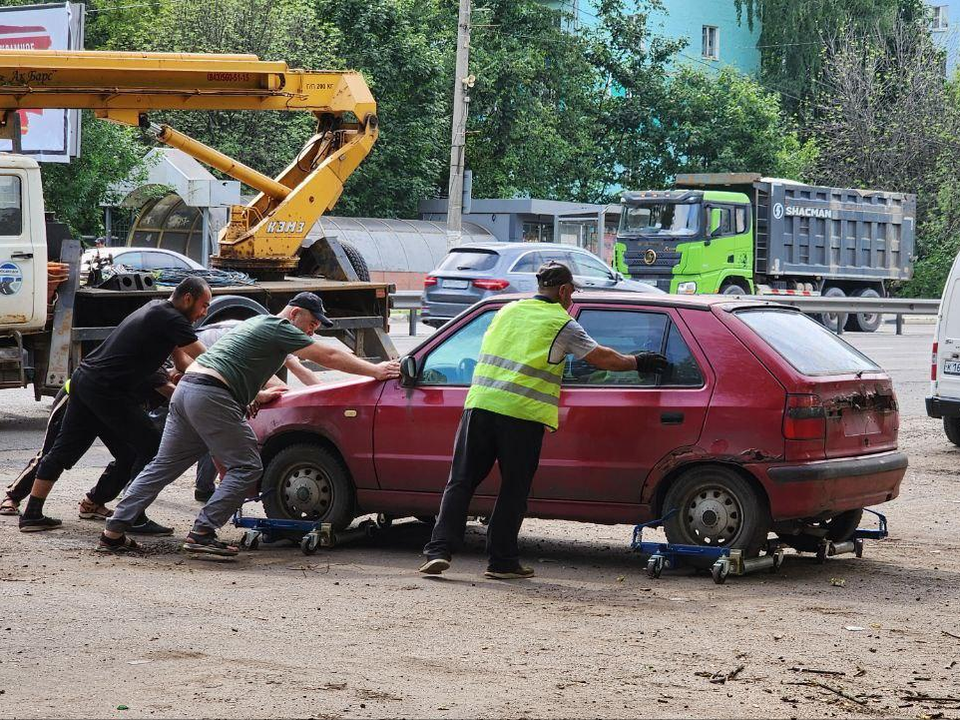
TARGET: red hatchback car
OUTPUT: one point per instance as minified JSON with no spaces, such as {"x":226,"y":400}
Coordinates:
{"x":765,"y":421}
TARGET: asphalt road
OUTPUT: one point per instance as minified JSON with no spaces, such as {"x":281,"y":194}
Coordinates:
{"x":357,"y":632}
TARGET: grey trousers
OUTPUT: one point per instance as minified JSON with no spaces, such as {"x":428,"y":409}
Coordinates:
{"x":202,"y":419}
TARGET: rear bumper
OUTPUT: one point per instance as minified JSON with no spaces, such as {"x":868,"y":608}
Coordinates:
{"x":825,"y":487}
{"x":938,"y":407}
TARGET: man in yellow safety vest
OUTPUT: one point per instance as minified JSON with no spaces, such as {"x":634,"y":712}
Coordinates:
{"x":514,"y":394}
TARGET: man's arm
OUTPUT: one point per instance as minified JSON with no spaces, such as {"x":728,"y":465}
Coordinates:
{"x":183,"y":356}
{"x":337,"y":359}
{"x":301,"y":371}
{"x":606,"y":358}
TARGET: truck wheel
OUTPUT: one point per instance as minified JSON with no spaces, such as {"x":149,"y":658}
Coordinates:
{"x":951,"y":426}
{"x":716,"y":508}
{"x":308,"y":482}
{"x":840,"y":528}
{"x":734,"y":289}
{"x":829,"y":320}
{"x":357,"y":260}
{"x":865,"y":322}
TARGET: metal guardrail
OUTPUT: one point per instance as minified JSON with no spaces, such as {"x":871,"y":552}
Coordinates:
{"x":848,"y":305}
{"x":412,"y":300}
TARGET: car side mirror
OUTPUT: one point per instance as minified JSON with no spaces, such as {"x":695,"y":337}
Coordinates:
{"x":408,"y":371}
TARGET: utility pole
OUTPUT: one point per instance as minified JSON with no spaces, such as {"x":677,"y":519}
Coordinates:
{"x":459,"y":132}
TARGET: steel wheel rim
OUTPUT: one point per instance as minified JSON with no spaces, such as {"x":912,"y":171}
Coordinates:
{"x":306,"y":492}
{"x":712,"y":515}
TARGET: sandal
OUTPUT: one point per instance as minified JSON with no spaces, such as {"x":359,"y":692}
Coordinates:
{"x":9,"y":506}
{"x":89,"y":510}
{"x":122,"y":544}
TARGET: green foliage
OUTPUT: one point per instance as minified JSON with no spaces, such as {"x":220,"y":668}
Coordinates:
{"x":401,"y":48}
{"x":794,"y":33}
{"x":728,"y":123}
{"x":109,"y":154}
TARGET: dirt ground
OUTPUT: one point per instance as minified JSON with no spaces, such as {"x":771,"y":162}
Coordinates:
{"x":355,"y":631}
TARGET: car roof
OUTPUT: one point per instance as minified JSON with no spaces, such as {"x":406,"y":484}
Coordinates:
{"x":518,"y":247}
{"x":693,"y":302}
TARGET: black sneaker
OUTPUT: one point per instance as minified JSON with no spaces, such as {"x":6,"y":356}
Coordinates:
{"x":202,"y":495}
{"x":117,"y":546}
{"x":39,"y":524}
{"x":149,"y":527}
{"x":435,"y":566}
{"x":515,"y":573}
{"x":209,"y":545}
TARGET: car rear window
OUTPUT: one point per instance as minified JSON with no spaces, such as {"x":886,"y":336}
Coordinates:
{"x":469,"y":260}
{"x":805,"y":343}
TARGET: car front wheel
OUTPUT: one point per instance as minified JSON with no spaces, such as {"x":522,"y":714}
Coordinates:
{"x":308,"y":482}
{"x":716,"y":507}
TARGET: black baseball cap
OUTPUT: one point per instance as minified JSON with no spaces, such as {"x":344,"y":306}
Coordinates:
{"x":312,"y":302}
{"x":554,"y":274}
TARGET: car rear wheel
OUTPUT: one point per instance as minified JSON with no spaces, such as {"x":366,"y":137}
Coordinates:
{"x":951,"y":426}
{"x":716,"y":507}
{"x":308,"y":482}
{"x":839,"y":528}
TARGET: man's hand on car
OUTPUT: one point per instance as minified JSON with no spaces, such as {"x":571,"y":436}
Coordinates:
{"x":651,"y":362}
{"x":265,"y":397}
{"x":387,"y":370}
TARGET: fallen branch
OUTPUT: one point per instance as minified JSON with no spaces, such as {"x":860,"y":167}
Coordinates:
{"x":720,"y":678}
{"x":837,"y":691}
{"x":950,"y":634}
{"x":918,"y":697}
{"x":801,"y":669}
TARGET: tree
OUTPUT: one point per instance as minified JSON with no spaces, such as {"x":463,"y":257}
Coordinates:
{"x":794,"y":32}
{"x":109,"y":154}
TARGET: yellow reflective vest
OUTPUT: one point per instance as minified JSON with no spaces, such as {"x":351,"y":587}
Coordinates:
{"x":514,"y":375}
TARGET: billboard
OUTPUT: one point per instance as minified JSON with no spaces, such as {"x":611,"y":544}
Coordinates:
{"x":46,"y":135}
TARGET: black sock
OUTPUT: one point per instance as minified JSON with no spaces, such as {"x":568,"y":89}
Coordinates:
{"x":141,"y":519}
{"x":34,"y":508}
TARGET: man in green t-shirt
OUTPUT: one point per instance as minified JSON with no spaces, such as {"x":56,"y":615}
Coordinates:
{"x":208,"y":413}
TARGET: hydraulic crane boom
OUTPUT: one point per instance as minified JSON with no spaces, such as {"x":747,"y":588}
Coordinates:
{"x":265,"y":236}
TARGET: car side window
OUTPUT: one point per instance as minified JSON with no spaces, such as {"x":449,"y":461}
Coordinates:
{"x":586,"y":266}
{"x":132,"y":260}
{"x":453,"y":361}
{"x":529,"y":263}
{"x":156,"y":260}
{"x":683,"y":371}
{"x":624,"y":331}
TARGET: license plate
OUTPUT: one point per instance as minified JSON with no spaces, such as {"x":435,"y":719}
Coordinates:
{"x":951,"y":367}
{"x":460,"y":285}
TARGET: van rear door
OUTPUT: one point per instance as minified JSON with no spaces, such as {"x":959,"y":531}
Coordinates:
{"x":946,"y":378}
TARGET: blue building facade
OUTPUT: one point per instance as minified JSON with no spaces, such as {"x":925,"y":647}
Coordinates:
{"x":945,"y":29}
{"x":714,"y":37}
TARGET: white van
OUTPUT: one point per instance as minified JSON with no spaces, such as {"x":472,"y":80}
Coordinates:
{"x":944,"y":399}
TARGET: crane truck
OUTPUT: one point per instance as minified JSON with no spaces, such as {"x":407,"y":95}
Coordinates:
{"x":42,"y":338}
{"x":740,"y":233}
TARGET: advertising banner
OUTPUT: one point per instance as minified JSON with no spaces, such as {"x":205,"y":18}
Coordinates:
{"x":46,"y":135}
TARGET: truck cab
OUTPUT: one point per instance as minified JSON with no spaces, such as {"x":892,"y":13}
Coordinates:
{"x":687,"y":241}
{"x":23,"y":247}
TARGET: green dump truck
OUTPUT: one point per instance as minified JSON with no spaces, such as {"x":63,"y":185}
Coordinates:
{"x":740,"y":233}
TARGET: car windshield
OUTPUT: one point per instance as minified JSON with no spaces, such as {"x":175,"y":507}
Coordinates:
{"x":469,"y":260}
{"x":805,"y":343}
{"x":661,"y":219}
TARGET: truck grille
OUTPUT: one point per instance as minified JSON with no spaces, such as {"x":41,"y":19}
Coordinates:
{"x":663,"y":265}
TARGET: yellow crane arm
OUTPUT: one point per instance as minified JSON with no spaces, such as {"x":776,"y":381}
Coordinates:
{"x":264,"y":236}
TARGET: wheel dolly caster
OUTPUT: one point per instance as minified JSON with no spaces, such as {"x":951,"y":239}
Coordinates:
{"x":655,"y":565}
{"x":250,"y":540}
{"x":720,"y":570}
{"x":310,"y":542}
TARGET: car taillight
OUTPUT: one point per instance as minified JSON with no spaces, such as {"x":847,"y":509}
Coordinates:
{"x":933,"y":362}
{"x":429,"y":281}
{"x":804,"y":418}
{"x":491,"y":284}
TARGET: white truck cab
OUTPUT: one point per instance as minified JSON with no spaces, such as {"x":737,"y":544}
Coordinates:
{"x":23,"y":246}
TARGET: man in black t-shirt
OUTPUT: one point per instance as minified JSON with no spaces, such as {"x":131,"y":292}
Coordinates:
{"x":103,"y":402}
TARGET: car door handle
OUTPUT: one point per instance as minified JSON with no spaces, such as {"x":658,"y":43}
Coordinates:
{"x":21,"y":256}
{"x":674,"y":418}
